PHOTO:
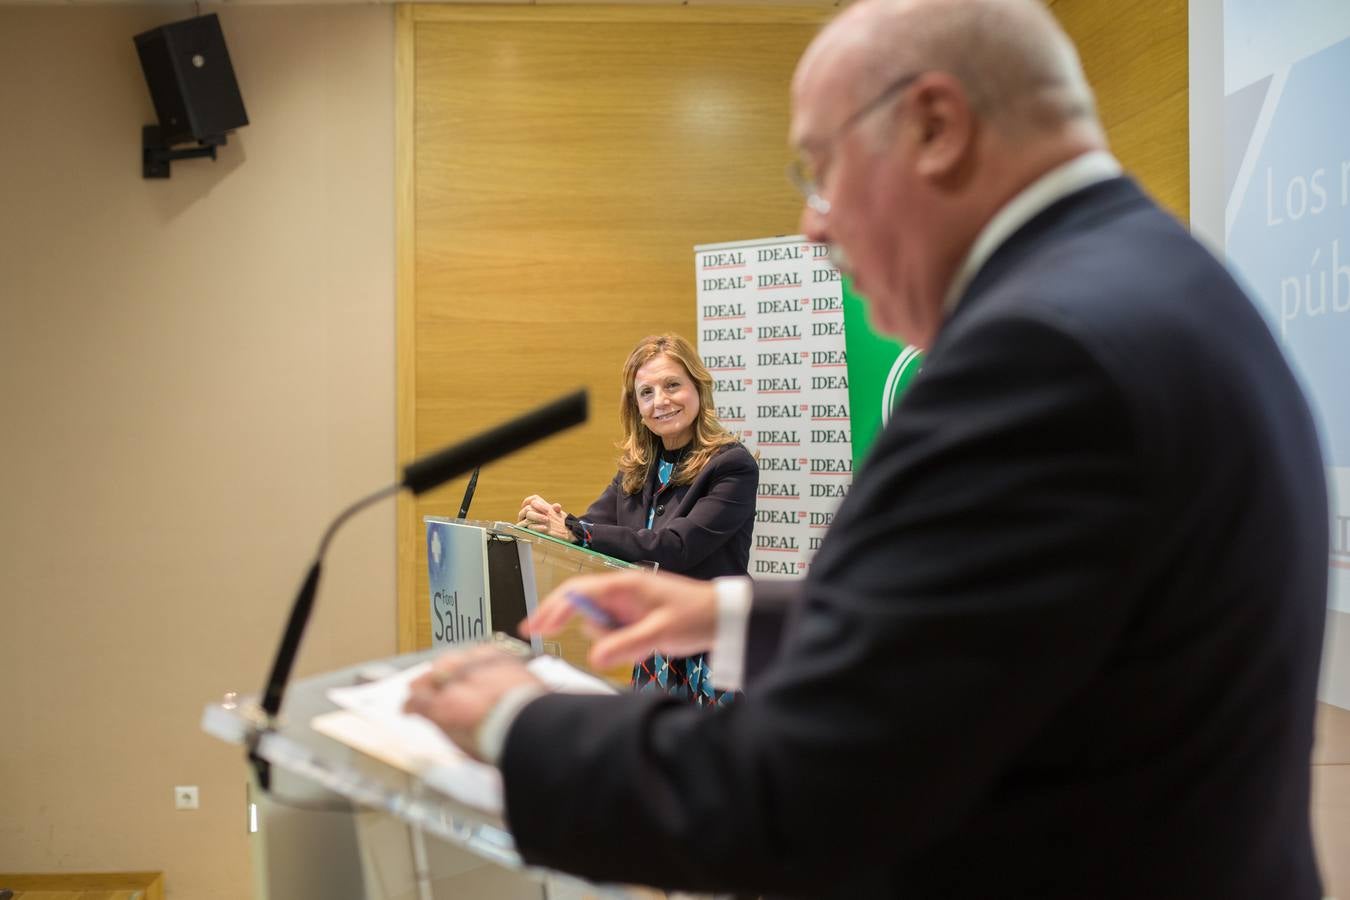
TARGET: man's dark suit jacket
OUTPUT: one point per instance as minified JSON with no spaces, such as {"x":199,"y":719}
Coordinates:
{"x":1062,"y":639}
{"x":701,"y":529}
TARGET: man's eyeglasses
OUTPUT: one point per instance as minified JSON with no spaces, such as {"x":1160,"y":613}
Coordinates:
{"x":803,"y":173}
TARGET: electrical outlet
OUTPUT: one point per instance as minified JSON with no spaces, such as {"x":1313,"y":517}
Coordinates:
{"x":185,"y":796}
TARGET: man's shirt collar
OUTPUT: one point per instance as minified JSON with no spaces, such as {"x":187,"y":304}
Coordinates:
{"x":1059,"y":182}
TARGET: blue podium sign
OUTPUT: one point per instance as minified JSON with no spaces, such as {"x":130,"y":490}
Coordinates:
{"x":457,"y":566}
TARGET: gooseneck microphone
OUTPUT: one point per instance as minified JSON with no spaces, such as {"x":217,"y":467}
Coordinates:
{"x":419,"y":476}
{"x":508,"y":437}
{"x":468,"y":495}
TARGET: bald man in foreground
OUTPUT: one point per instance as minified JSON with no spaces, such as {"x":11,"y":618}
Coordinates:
{"x":1063,"y":637}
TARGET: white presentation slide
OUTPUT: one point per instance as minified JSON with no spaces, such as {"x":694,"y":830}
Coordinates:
{"x":1271,"y":189}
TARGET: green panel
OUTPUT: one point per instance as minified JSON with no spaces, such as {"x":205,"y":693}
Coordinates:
{"x":879,"y":371}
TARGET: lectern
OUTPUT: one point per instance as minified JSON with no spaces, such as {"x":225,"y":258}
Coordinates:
{"x":338,"y":822}
{"x":487,"y":576}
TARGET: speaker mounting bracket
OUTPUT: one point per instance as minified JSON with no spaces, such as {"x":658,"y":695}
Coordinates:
{"x":156,"y":155}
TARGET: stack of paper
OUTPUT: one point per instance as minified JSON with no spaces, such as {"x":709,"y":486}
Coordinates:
{"x":372,"y":720}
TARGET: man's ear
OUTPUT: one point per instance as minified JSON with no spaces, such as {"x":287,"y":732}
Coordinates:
{"x":945,"y":124}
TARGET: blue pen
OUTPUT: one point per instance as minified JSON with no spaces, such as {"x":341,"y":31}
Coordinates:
{"x":586,"y":606}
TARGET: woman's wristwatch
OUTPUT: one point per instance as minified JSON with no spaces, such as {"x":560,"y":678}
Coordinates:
{"x":580,"y":529}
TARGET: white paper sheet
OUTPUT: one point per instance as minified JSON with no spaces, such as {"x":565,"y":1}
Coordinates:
{"x":373,"y":722}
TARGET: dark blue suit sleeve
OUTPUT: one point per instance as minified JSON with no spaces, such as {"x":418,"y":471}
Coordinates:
{"x":769,"y":612}
{"x":974,"y":576}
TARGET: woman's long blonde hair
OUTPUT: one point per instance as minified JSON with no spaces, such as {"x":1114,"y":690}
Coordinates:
{"x":640,"y":448}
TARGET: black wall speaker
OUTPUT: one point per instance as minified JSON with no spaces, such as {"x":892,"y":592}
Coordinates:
{"x":191,"y":80}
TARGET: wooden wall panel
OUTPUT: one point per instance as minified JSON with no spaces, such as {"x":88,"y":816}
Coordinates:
{"x":557,"y":166}
{"x":85,"y":885}
{"x":558,"y":163}
{"x":1136,"y":57}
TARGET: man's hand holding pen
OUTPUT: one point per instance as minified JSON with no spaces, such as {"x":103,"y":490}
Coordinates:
{"x":628,"y":614}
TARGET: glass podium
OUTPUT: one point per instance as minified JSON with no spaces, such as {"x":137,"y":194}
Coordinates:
{"x":338,"y":823}
{"x":518,"y":567}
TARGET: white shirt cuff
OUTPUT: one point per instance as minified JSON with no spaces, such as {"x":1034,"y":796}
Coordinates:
{"x":492,"y":731}
{"x":727,"y":655}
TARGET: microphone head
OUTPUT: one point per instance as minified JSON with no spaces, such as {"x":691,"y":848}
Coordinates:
{"x":468,"y":495}
{"x":426,"y":473}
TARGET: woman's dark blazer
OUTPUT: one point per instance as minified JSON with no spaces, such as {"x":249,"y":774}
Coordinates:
{"x":702,"y":529}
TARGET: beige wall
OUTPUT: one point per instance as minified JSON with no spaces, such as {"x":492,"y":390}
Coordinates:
{"x":195,"y":375}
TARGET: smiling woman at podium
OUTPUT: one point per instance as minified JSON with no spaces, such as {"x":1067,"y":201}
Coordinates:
{"x":684,"y":495}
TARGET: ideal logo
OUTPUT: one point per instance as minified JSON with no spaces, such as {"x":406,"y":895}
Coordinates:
{"x":776,"y":516}
{"x":775,"y":567}
{"x":829,"y":489}
{"x":723,"y":260}
{"x":778,"y":254}
{"x":829,"y":412}
{"x":776,"y":359}
{"x":723,"y":311}
{"x":787,"y":490}
{"x":782,"y":543}
{"x":778,"y":411}
{"x":829,"y":436}
{"x":813,"y":542}
{"x":826,"y":329}
{"x":826,"y":358}
{"x":778,"y":280}
{"x":1340,"y":536}
{"x":826,"y":304}
{"x":820,"y":519}
{"x":830,"y":466}
{"x":770,"y":307}
{"x":829,"y":382}
{"x":724,"y":362}
{"x":709,"y":285}
{"x":779,"y":464}
{"x":731,"y":413}
{"x":821,"y":276}
{"x":780,"y":333}
{"x":728,"y":385}
{"x":712,"y":335}
{"x":779,"y":386}
{"x":779,"y":438}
